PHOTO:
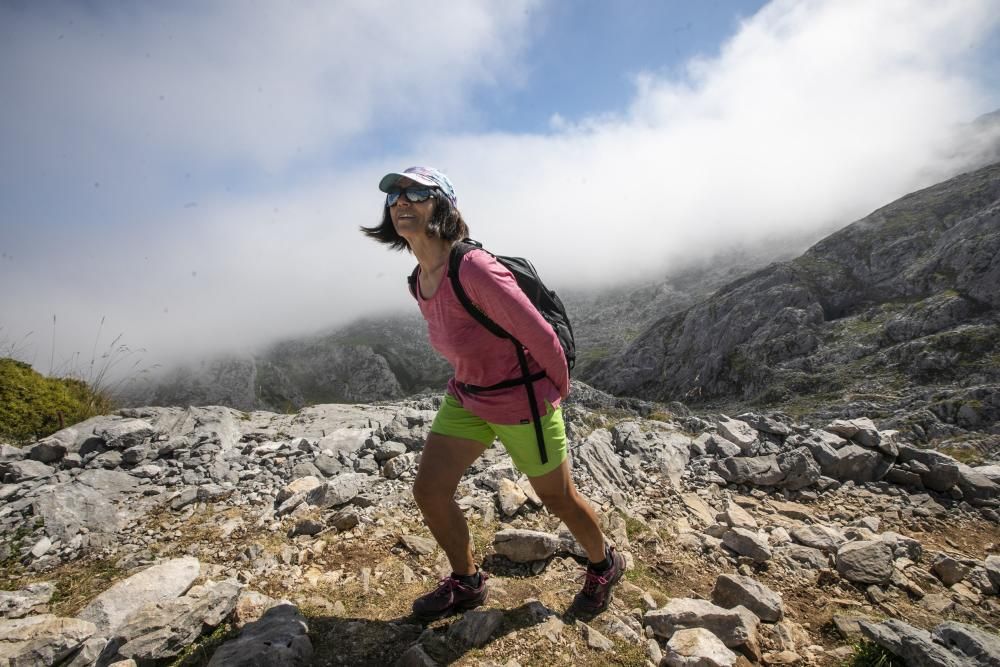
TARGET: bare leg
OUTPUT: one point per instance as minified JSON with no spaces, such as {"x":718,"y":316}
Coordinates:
{"x":559,"y":494}
{"x":442,"y":464}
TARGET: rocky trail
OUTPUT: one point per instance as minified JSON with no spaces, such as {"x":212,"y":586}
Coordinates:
{"x":192,"y":536}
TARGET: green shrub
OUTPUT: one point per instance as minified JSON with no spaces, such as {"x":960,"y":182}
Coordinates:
{"x":33,"y":406}
{"x":870,"y":654}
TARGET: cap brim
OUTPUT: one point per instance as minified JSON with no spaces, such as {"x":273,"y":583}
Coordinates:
{"x":390,"y":180}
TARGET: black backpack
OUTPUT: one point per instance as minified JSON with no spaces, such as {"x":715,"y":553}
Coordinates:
{"x":549,"y":306}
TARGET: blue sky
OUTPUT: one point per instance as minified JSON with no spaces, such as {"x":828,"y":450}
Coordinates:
{"x":586,"y":54}
{"x":195,"y":173}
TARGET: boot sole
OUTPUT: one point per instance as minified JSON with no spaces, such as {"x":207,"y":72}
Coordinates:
{"x":454,"y":609}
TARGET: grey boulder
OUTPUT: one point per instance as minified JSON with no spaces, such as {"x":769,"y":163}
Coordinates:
{"x":734,"y":590}
{"x":977,"y":645}
{"x":41,"y":640}
{"x":525,"y":546}
{"x":125,"y":433}
{"x":29,"y":600}
{"x":164,"y":581}
{"x":164,"y":629}
{"x":747,"y":543}
{"x":913,"y":645}
{"x":278,"y":639}
{"x":729,"y":625}
{"x":697,"y":647}
{"x":865,"y":562}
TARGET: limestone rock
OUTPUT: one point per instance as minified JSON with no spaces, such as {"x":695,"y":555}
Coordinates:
{"x":31,"y":599}
{"x":755,"y":470}
{"x":859,"y":464}
{"x":250,"y":606}
{"x":164,"y":581}
{"x":733,"y":590}
{"x":389,"y":450}
{"x":278,"y":639}
{"x":699,"y":508}
{"x":337,"y":491}
{"x":396,"y":466}
{"x":163,"y":629}
{"x":975,"y":486}
{"x":44,"y":639}
{"x":978,"y":646}
{"x":992,"y":565}
{"x":913,"y":645}
{"x":861,"y":431}
{"x":697,"y":647}
{"x":737,"y":517}
{"x":512,"y":498}
{"x":597,"y":456}
{"x":806,"y":556}
{"x":903,"y":545}
{"x":747,"y":543}
{"x":125,"y":433}
{"x":476,"y":627}
{"x":729,"y":625}
{"x":418,"y":545}
{"x":300,"y":485}
{"x":525,"y":546}
{"x":595,"y":640}
{"x":100,"y":501}
{"x":949,"y":570}
{"x":24,"y":470}
{"x":942,"y":470}
{"x":47,"y":450}
{"x":799,"y":469}
{"x":819,"y":537}
{"x":865,"y":562}
{"x":737,"y":432}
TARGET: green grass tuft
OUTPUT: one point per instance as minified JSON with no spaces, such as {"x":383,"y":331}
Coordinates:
{"x":870,"y":654}
{"x":33,"y":406}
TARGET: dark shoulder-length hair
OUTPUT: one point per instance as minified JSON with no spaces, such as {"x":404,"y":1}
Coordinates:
{"x":446,"y":223}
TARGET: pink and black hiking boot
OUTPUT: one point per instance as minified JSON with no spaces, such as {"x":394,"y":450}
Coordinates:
{"x":450,"y":597}
{"x":597,"y":586}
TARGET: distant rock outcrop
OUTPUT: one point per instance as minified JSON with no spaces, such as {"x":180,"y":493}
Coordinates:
{"x":906,"y":297}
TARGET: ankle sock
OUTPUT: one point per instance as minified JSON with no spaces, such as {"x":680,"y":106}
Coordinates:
{"x":604,"y":564}
{"x":470,"y":580}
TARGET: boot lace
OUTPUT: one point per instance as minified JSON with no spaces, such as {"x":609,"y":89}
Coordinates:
{"x":592,"y":582}
{"x":447,"y":586}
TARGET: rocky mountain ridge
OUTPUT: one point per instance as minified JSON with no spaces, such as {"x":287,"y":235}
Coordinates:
{"x":901,"y":304}
{"x":162,"y":534}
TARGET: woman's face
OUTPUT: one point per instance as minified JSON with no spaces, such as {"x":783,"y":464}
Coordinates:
{"x":410,"y":218}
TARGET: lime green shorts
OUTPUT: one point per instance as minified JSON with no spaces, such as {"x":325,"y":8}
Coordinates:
{"x":519,"y":439}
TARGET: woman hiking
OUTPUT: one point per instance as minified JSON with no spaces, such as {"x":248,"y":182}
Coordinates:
{"x":421,"y":215}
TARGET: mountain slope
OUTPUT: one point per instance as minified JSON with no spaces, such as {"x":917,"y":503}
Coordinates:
{"x":907,"y":296}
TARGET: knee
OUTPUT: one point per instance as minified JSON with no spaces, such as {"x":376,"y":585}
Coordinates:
{"x":430,"y":496}
{"x":558,"y":502}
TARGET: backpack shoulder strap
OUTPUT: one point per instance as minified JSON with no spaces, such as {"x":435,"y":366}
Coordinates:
{"x":459,"y":251}
{"x":412,"y":281}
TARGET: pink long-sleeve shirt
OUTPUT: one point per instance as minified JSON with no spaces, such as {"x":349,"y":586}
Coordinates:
{"x":482,"y":359}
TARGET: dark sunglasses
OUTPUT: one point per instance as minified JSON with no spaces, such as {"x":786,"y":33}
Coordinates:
{"x":412,"y":194}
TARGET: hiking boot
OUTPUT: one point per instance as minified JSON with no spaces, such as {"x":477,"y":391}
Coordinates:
{"x":450,"y":597}
{"x":596,"y":593}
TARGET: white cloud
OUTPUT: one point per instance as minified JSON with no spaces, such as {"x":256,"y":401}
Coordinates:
{"x":248,"y":81}
{"x":814,"y":114}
